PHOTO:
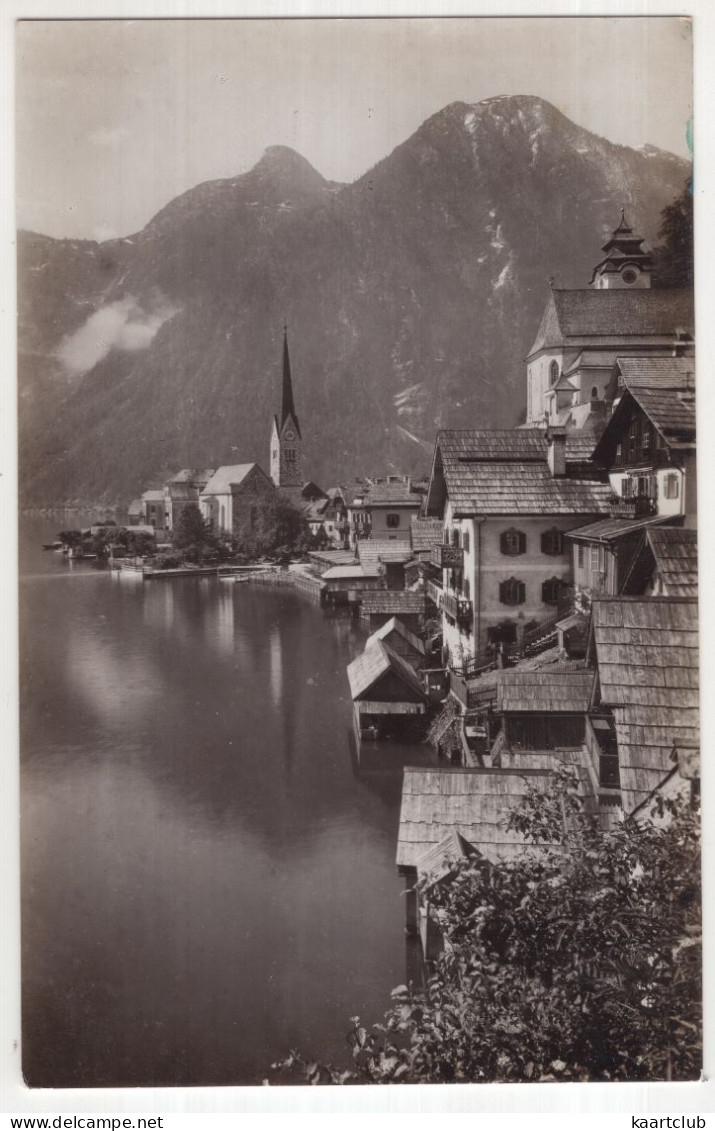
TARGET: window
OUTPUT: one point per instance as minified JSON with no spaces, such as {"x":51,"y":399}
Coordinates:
{"x":552,"y":542}
{"x":645,"y":440}
{"x":392,"y":521}
{"x":618,"y":458}
{"x":446,"y":536}
{"x":581,"y":555}
{"x":672,"y":485}
{"x":594,"y":393}
{"x":465,"y":588}
{"x":596,"y":559}
{"x":551,"y":591}
{"x":512,"y":592}
{"x":455,"y":538}
{"x":290,"y":454}
{"x":629,"y":275}
{"x":465,"y":541}
{"x":632,"y":439}
{"x":553,"y":372}
{"x":512,"y":542}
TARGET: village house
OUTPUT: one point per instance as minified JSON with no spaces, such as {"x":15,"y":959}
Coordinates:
{"x":153,"y":512}
{"x":648,"y":450}
{"x":383,"y":509}
{"x":645,"y":651}
{"x":182,"y":490}
{"x":506,"y":500}
{"x":233,"y":496}
{"x":583,"y":331}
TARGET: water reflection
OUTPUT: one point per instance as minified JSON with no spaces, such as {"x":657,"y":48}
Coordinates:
{"x":206,"y":881}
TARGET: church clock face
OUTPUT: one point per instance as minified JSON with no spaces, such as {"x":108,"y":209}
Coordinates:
{"x":290,"y":434}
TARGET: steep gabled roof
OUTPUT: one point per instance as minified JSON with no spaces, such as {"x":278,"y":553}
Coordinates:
{"x":368,"y":669}
{"x":664,"y":389}
{"x":396,"y":625}
{"x":575,"y":316}
{"x":676,"y":557}
{"x":225,"y":477}
{"x":647,"y":655}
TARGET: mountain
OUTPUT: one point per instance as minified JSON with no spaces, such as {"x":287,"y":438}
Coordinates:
{"x":411,"y":295}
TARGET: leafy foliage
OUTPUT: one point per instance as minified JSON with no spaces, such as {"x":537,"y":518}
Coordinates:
{"x":674,"y":258}
{"x":191,"y":529}
{"x":578,"y":961}
{"x":278,"y":530}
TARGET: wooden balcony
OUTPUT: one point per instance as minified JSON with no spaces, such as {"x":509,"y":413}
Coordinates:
{"x":640,"y":506}
{"x":460,"y":608}
{"x":447,"y":557}
{"x":435,"y":593}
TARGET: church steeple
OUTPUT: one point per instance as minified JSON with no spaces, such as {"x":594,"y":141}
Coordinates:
{"x":287,"y":405}
{"x":286,"y":440}
{"x":626,"y":264}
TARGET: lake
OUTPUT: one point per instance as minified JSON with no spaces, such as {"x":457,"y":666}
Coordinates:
{"x":208,"y":877}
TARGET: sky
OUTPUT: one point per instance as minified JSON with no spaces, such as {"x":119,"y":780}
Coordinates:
{"x":114,"y":118}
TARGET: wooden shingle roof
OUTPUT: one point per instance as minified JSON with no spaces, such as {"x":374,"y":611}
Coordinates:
{"x":474,"y":803}
{"x":647,"y":654}
{"x":505,"y":472}
{"x":425,"y":533}
{"x":676,"y":557}
{"x":391,"y":494}
{"x":665,"y":390}
{"x":394,"y":601}
{"x":381,"y":550}
{"x":369,"y":667}
{"x":395,"y":625}
{"x":544,"y":691}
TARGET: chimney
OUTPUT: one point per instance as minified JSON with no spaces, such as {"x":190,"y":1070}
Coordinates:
{"x":556,"y":439}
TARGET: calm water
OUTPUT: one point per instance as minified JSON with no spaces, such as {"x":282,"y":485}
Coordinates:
{"x":207,"y":880}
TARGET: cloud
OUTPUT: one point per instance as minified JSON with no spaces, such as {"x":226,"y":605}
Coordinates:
{"x":121,"y":325}
{"x":109,"y":137}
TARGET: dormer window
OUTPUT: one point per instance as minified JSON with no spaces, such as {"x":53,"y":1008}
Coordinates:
{"x":553,"y":372}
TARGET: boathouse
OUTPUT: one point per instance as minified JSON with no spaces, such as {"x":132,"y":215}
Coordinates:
{"x":388,"y":699}
{"x":402,"y":641}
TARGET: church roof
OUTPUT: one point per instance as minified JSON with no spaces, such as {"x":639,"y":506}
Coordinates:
{"x":582,"y":317}
{"x":287,"y":405}
{"x":224,"y":478}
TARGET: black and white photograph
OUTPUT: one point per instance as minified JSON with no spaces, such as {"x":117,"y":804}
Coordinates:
{"x":358,"y":554}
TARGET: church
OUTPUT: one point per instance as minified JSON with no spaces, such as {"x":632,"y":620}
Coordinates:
{"x":583,"y":331}
{"x":286,"y":461}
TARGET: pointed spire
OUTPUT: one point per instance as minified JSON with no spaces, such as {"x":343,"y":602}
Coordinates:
{"x":287,"y":405}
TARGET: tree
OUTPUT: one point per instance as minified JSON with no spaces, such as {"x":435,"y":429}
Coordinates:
{"x":577,"y":962}
{"x":191,"y":530}
{"x":674,"y":258}
{"x":277,"y":529}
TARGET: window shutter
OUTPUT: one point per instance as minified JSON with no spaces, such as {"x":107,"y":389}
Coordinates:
{"x":522,"y":542}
